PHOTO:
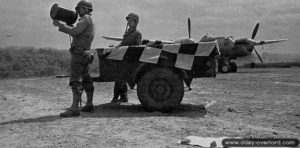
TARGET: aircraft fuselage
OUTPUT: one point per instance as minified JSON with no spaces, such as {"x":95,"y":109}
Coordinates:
{"x":229,"y":47}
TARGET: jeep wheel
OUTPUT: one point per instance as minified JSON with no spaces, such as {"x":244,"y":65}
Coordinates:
{"x":160,"y":89}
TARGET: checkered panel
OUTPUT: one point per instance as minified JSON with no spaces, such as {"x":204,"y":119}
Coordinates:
{"x":189,"y":49}
{"x":179,"y":55}
{"x":204,"y":49}
{"x":116,"y":53}
{"x":184,"y":61}
{"x":150,"y":55}
{"x":133,"y":53}
{"x":172,"y":48}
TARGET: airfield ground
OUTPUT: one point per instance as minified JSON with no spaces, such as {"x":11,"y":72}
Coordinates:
{"x":251,"y":103}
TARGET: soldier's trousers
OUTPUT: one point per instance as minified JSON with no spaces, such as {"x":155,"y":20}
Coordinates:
{"x":120,"y":89}
{"x":80,"y":77}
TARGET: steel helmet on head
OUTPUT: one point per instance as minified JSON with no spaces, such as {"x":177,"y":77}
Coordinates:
{"x":133,"y":16}
{"x":85,"y":4}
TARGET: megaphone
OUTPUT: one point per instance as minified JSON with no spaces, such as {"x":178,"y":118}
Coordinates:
{"x":62,"y":14}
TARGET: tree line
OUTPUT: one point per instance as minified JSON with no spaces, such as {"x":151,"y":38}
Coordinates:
{"x":20,"y":62}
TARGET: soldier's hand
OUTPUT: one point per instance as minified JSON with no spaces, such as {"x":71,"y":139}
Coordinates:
{"x":89,"y":55}
{"x":56,"y":23}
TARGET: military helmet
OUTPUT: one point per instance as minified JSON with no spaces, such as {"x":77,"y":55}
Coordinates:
{"x":85,"y":4}
{"x":133,"y":16}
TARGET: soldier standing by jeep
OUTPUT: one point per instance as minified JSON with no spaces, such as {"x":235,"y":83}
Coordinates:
{"x":81,"y":57}
{"x":131,"y":37}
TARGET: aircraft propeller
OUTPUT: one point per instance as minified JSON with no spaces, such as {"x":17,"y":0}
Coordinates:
{"x":255,"y":31}
{"x":251,"y":43}
{"x":252,"y":37}
{"x":186,"y":40}
{"x":189,"y":27}
{"x":258,"y":55}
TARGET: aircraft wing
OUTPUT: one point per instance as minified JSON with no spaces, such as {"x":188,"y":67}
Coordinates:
{"x":154,"y":42}
{"x":270,"y":41}
{"x":144,"y":41}
{"x":113,"y":38}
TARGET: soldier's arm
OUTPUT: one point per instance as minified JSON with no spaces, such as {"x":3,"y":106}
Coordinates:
{"x":139,"y":39}
{"x":73,"y":31}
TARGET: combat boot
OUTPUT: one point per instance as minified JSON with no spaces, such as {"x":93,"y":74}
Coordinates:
{"x":89,"y":107}
{"x":114,"y":100}
{"x":116,"y":93}
{"x":70,"y":113}
{"x":123,"y":98}
{"x":73,"y":110}
{"x":123,"y":92}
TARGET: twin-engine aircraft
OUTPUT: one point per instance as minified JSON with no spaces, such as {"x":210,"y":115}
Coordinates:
{"x":229,"y":48}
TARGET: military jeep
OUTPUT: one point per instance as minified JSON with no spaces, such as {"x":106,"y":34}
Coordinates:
{"x":159,"y":72}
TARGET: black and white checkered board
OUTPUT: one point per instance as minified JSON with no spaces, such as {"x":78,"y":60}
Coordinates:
{"x":182,"y":55}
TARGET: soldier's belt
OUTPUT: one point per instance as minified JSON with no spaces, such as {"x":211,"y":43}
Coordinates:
{"x":78,"y":50}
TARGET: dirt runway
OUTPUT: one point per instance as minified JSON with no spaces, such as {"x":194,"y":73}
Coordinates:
{"x":258,"y":103}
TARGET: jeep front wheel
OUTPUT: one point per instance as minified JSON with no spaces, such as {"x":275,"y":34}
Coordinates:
{"x":160,"y":89}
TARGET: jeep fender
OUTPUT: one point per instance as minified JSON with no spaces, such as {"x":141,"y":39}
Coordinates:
{"x":144,"y":67}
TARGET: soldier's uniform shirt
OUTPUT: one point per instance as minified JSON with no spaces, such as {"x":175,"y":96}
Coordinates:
{"x":83,"y":35}
{"x":131,"y":37}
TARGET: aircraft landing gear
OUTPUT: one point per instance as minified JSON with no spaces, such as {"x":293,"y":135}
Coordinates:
{"x":252,"y":65}
{"x":233,"y":66}
{"x":225,"y":66}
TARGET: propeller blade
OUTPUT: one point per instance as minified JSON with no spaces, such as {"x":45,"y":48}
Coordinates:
{"x":255,"y":31}
{"x":270,"y":41}
{"x":258,"y":56}
{"x":189,"y":27}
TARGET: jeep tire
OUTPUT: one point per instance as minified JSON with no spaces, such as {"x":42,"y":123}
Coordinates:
{"x":160,"y":89}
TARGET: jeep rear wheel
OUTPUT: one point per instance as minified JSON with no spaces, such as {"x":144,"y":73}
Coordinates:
{"x":160,"y":89}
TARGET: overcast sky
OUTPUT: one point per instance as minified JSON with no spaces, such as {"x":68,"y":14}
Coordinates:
{"x":29,"y":22}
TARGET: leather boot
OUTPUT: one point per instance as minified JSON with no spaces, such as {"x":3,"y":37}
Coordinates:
{"x":114,"y":100}
{"x":123,"y":98}
{"x":89,"y":107}
{"x":73,"y":110}
{"x":123,"y":92}
{"x":116,"y":93}
{"x":70,"y":113}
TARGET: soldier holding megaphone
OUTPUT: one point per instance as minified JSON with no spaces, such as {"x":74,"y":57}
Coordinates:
{"x":83,"y":35}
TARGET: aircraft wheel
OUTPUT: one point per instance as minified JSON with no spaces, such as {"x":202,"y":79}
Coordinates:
{"x":252,"y":65}
{"x":225,"y":68}
{"x":233,"y":66}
